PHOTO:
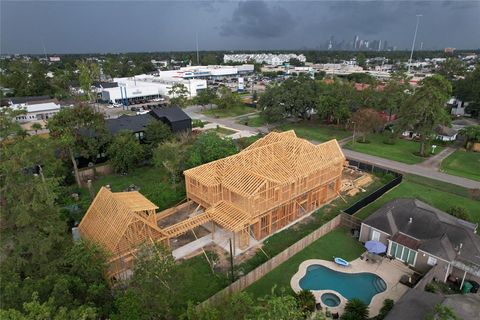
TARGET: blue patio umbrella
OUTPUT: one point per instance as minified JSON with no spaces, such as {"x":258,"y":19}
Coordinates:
{"x":375,"y":247}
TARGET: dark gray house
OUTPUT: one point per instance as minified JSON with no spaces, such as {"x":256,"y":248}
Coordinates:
{"x":174,"y":117}
{"x":424,"y":237}
{"x":419,"y":304}
{"x":135,"y":124}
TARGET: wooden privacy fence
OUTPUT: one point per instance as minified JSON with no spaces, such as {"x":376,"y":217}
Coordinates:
{"x":277,"y":260}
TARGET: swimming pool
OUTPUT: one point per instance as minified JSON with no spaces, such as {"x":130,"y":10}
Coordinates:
{"x":362,"y":286}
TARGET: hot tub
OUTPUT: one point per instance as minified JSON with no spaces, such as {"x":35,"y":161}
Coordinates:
{"x":330,"y":299}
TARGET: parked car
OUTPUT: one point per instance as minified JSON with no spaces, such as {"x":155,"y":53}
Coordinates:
{"x":117,"y":105}
{"x":134,"y":109}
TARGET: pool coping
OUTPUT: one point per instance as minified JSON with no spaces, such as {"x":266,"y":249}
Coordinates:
{"x":354,"y":267}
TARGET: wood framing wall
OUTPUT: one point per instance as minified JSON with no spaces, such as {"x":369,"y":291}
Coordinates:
{"x":276,"y":181}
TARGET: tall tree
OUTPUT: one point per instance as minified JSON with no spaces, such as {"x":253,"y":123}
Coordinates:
{"x":124,"y":152}
{"x":9,"y":127}
{"x":468,"y":90}
{"x":227,"y":98}
{"x":451,"y":68}
{"x":157,"y":132}
{"x":425,"y":110}
{"x":366,"y":120}
{"x":171,"y":156}
{"x":209,"y":147}
{"x":88,"y":73}
{"x":205,"y":96}
{"x":80,"y":131}
{"x":178,"y":95}
{"x":472,"y":135}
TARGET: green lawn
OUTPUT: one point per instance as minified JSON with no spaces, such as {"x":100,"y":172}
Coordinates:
{"x":463,"y":164}
{"x":232,"y":111}
{"x":204,"y":283}
{"x":315,"y":130}
{"x":153,"y":183}
{"x":438,"y":195}
{"x":402,"y":150}
{"x":253,"y":121}
{"x":336,"y":243}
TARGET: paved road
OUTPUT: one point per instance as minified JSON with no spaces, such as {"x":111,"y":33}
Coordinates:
{"x":424,"y":171}
{"x":194,"y":113}
{"x":412,"y":169}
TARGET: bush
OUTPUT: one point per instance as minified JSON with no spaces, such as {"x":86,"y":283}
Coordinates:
{"x":306,"y":301}
{"x":355,"y":309}
{"x":459,"y":212}
{"x":125,"y":152}
{"x":430,"y":287}
{"x":386,"y":307}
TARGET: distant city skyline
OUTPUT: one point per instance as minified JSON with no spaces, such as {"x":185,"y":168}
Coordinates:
{"x":27,"y":27}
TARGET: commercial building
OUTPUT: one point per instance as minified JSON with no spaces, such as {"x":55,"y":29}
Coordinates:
{"x":36,"y":108}
{"x":267,"y":58}
{"x":146,"y":86}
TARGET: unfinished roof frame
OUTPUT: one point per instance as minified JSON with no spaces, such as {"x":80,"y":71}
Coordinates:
{"x":269,"y":185}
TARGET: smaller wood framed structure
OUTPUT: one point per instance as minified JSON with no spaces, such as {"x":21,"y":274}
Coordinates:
{"x":120,"y":222}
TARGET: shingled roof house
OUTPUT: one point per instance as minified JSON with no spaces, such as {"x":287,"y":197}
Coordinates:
{"x":424,"y":237}
{"x":267,"y":186}
{"x":177,"y":120}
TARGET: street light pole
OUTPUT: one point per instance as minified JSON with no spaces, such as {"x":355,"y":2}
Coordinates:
{"x":353,"y":137}
{"x":413,"y":44}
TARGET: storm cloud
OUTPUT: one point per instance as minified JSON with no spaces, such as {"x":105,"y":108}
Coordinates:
{"x":122,"y":26}
{"x":257,"y":19}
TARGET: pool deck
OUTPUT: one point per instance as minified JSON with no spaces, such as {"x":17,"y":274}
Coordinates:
{"x":389,"y":270}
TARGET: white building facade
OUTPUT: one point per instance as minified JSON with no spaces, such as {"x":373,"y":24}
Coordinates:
{"x":36,"y":112}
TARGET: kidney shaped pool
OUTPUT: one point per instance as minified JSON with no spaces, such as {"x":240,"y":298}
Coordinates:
{"x":362,"y":286}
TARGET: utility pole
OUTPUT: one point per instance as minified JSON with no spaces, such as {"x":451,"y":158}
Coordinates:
{"x":353,"y":137}
{"x":413,"y":44}
{"x":231,"y":260}
{"x":196,"y":41}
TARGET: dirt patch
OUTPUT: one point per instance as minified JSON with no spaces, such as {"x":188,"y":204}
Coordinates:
{"x":179,"y":215}
{"x":188,"y":237}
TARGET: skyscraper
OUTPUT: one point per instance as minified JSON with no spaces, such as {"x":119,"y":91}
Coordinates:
{"x":355,"y":42}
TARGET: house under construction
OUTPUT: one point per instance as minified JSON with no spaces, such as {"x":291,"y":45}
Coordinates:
{"x":267,"y":186}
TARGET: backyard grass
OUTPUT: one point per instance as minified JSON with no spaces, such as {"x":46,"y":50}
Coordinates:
{"x":253,"y":121}
{"x":437,"y":195}
{"x":402,"y":151}
{"x":463,"y":164}
{"x":153,"y":183}
{"x":338,"y":242}
{"x":203,"y":282}
{"x":232,"y":111}
{"x":315,"y":130}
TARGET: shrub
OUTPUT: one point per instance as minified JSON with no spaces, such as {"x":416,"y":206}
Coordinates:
{"x":125,"y":152}
{"x":430,"y":287}
{"x":355,"y":309}
{"x":306,"y":301}
{"x":459,"y":212}
{"x":386,"y":307}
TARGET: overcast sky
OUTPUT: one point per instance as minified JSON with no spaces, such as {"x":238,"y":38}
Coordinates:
{"x":125,"y":26}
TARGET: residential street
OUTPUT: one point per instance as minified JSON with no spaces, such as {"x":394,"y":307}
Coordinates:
{"x":413,"y":169}
{"x":427,"y":169}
